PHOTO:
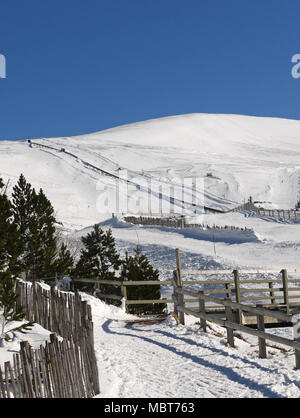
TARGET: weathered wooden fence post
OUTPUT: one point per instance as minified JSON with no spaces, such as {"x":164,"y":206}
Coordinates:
{"x":180,"y":299}
{"x":272,"y":294}
{"x":237,"y":293}
{"x":261,"y":341}
{"x":178,"y":263}
{"x":124,"y":295}
{"x":175,"y":295}
{"x":296,"y":332}
{"x":202,"y":310}
{"x":228,"y":290}
{"x":229,"y":318}
{"x":179,"y":286}
{"x":285,"y":290}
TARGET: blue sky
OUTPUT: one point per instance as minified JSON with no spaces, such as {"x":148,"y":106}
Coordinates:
{"x":76,"y":67}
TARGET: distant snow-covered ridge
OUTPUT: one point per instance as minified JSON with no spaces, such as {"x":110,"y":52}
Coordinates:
{"x":235,"y":156}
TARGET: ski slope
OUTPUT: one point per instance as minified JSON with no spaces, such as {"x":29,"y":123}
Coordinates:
{"x":244,"y":156}
{"x":234,"y":157}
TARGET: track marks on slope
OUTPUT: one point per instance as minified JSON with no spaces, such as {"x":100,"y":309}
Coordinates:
{"x":181,"y":365}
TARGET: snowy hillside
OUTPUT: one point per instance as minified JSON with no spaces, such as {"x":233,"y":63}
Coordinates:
{"x":233,"y":156}
{"x":229,"y":157}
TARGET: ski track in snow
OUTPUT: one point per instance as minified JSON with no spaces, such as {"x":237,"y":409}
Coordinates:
{"x":168,"y":361}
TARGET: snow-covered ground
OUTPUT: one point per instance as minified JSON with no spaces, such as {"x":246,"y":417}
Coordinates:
{"x":167,"y":360}
{"x":230,"y":158}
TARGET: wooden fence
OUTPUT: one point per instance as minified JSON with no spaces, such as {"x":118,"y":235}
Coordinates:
{"x":177,"y":222}
{"x":61,"y":312}
{"x":277,"y":292}
{"x":273,"y":213}
{"x":280,"y":213}
{"x":69,"y":368}
{"x":58,"y":370}
{"x":233,"y":317}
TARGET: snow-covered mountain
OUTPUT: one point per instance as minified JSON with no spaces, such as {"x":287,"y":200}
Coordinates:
{"x":233,"y":156}
{"x":229,"y":158}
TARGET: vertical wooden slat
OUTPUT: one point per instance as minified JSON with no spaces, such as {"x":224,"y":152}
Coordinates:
{"x":228,"y":290}
{"x":18,"y":375}
{"x":175,"y":295}
{"x":230,"y":331}
{"x":12,"y":379}
{"x":26,"y":371}
{"x":272,"y":294}
{"x":6,"y":380}
{"x":202,"y":310}
{"x":296,"y":332}
{"x":237,"y":292}
{"x":46,"y":373}
{"x":2,"y":389}
{"x":37,"y":373}
{"x":285,"y":290}
{"x":180,"y":298}
{"x":261,"y":341}
{"x":178,"y":267}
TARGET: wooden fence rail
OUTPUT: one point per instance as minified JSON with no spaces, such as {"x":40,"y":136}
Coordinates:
{"x":232,"y":319}
{"x":273,"y":213}
{"x":177,"y":222}
{"x":66,"y":368}
{"x":272,"y":292}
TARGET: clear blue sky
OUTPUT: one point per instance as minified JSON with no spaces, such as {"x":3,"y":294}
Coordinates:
{"x":76,"y":67}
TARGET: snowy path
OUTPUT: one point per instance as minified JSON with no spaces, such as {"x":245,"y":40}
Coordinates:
{"x":168,"y":361}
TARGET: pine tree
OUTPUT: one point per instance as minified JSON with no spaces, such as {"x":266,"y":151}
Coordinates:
{"x":10,"y":250}
{"x":23,"y":197}
{"x":64,"y":262}
{"x":99,"y":259}
{"x":10,"y":245}
{"x":23,"y":204}
{"x":34,"y":215}
{"x":138,"y":268}
{"x":43,"y":238}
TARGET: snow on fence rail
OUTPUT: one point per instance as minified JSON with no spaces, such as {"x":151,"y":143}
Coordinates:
{"x":177,"y":222}
{"x":61,"y":369}
{"x":273,"y":213}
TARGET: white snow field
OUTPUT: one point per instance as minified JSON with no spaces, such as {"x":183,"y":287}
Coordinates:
{"x":174,"y":361}
{"x":229,"y":158}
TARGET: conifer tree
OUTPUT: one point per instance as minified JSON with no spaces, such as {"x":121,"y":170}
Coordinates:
{"x":64,"y":262}
{"x":23,"y":197}
{"x":10,"y":250}
{"x":23,"y":204}
{"x":99,"y":259}
{"x":43,"y":237}
{"x":138,"y":268}
{"x":34,"y":216}
{"x":10,"y":245}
